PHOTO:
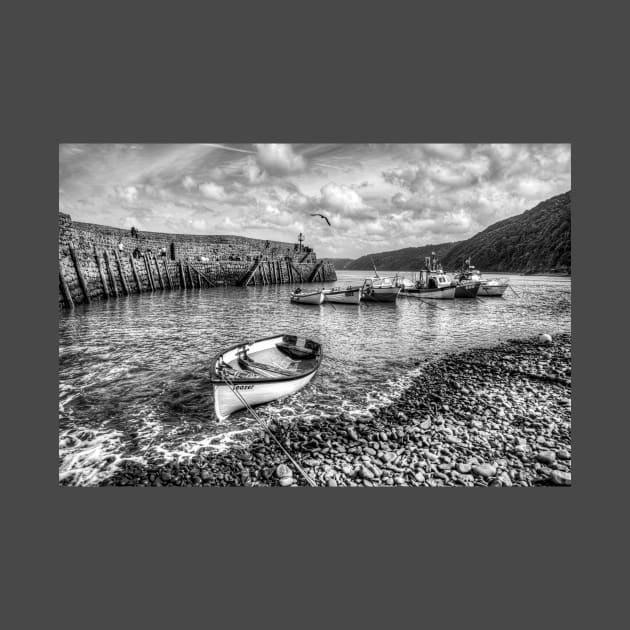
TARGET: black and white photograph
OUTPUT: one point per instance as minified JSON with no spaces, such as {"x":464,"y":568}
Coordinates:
{"x":314,"y":315}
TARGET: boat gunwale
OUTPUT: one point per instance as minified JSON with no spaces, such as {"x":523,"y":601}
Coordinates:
{"x":216,"y":379}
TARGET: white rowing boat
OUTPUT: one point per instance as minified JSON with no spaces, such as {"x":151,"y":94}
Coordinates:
{"x":307,"y":297}
{"x":350,"y":295}
{"x":255,"y":373}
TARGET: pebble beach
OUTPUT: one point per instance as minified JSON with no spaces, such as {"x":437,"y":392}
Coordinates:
{"x":498,"y":416}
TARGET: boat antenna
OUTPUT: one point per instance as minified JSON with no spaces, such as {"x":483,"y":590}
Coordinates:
{"x":373,"y":265}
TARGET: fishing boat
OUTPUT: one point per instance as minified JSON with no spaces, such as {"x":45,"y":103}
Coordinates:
{"x":431,"y":283}
{"x":257,"y":372}
{"x":377,"y":289}
{"x":307,"y":297}
{"x":493,"y":288}
{"x":349,"y":295}
{"x":488,"y":288}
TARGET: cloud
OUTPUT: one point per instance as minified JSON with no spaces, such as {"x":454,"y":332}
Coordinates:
{"x":341,"y":198}
{"x":189,"y":182}
{"x":210,"y":190}
{"x":128,"y":193}
{"x":279,"y":159}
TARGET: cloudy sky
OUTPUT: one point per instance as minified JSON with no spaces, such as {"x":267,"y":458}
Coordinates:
{"x":378,"y":197}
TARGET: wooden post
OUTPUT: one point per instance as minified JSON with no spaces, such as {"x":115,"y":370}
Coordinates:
{"x":181,"y":274}
{"x":149,"y":274}
{"x":123,"y":279}
{"x":159,"y":273}
{"x":82,"y":282}
{"x":100,"y":271}
{"x":190,"y":277}
{"x":280,"y":278}
{"x":289,"y":271}
{"x":136,"y":279}
{"x":64,"y":289}
{"x":167,"y":273}
{"x":112,"y":277}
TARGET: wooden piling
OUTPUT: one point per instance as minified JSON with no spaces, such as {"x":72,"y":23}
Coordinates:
{"x":82,"y":282}
{"x":201,"y":275}
{"x":280,"y":278}
{"x":100,"y":271}
{"x":159,"y":273}
{"x":149,"y":274}
{"x":123,"y":278}
{"x":189,"y":275}
{"x":112,"y":277}
{"x":136,"y":278}
{"x":181,"y":274}
{"x":167,"y":274}
{"x":64,"y":288}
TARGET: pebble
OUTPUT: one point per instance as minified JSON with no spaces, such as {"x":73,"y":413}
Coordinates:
{"x":546,"y":457}
{"x":287,"y":481}
{"x":484,"y":470}
{"x":563,"y":454}
{"x":366,"y":473}
{"x":419,"y":477}
{"x":560,"y":478}
{"x":464,"y":469}
{"x":283,"y":471}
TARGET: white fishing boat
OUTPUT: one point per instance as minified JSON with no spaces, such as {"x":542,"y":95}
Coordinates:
{"x":487,"y":288}
{"x":349,"y":295}
{"x":493,"y":288}
{"x":307,"y":297}
{"x":431,"y":283}
{"x":254,"y":373}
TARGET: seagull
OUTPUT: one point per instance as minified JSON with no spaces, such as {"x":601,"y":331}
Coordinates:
{"x":322,"y":216}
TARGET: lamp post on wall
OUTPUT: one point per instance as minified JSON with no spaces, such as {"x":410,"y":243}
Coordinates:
{"x":301,"y":239}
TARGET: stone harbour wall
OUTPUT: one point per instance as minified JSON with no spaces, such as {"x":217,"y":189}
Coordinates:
{"x":97,"y":261}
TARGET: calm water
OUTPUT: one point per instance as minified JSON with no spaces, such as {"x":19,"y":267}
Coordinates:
{"x":133,"y":372}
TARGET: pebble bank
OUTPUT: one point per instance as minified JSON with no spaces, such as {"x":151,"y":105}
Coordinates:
{"x":496,"y":416}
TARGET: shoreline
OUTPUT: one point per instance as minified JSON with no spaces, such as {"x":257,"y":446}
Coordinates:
{"x":498,"y":416}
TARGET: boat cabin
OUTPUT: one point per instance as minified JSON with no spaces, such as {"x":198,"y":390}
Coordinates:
{"x":432,"y":280}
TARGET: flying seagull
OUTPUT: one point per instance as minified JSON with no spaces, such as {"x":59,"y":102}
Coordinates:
{"x":322,"y":216}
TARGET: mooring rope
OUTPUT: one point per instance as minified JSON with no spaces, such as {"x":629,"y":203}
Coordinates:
{"x":263,"y":424}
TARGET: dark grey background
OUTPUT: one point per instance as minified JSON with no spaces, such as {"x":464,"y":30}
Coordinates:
{"x":303,"y":72}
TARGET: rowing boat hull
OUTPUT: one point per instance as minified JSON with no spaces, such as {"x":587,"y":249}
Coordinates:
{"x":351,"y":296}
{"x":308,"y":298}
{"x":442,"y":293}
{"x":492,"y":290}
{"x":226,"y":402}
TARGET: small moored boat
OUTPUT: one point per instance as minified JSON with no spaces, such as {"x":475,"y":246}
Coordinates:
{"x":250,"y":374}
{"x":307,"y":297}
{"x":349,"y":295}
